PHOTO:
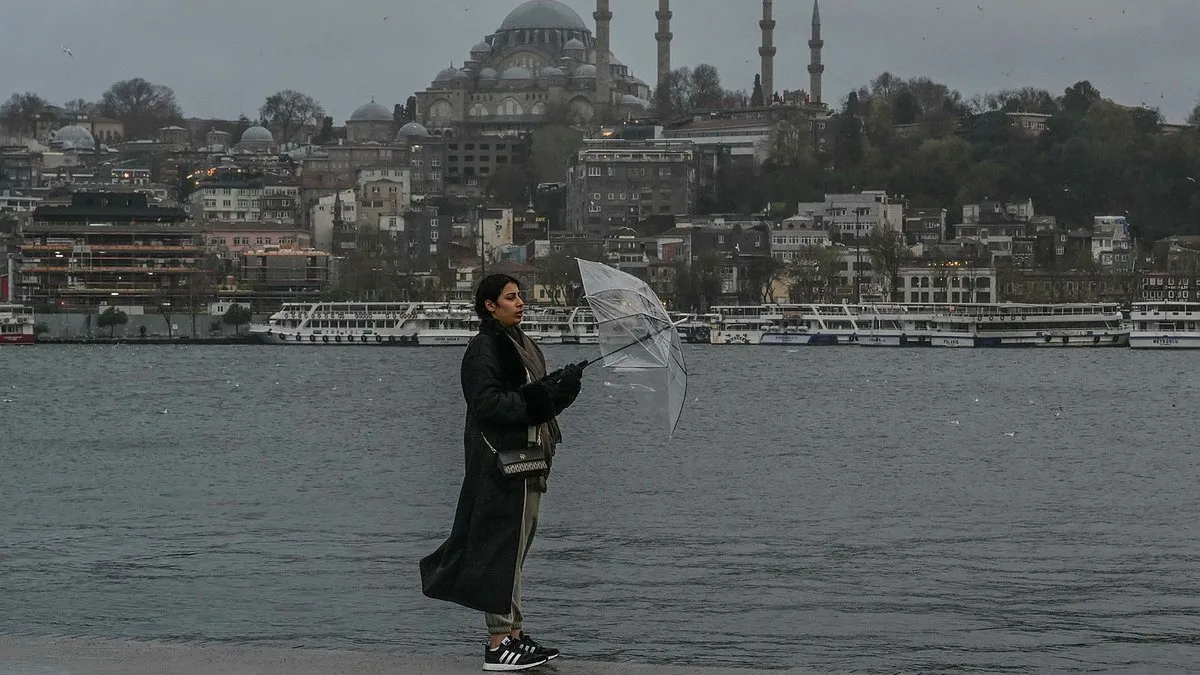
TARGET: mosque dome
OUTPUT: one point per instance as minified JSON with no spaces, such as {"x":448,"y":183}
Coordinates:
{"x":574,"y":45}
{"x":543,"y":14}
{"x":489,"y":74}
{"x":74,"y":136}
{"x":371,"y":112}
{"x":257,"y":134}
{"x":585,"y":70}
{"x":412,"y":129}
{"x":481,"y":49}
{"x":447,"y":74}
{"x":551,"y":72}
{"x":631,"y":101}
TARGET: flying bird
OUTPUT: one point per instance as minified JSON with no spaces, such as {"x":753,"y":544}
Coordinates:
{"x":68,"y":52}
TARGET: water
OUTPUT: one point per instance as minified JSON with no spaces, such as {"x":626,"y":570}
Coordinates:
{"x":829,"y":508}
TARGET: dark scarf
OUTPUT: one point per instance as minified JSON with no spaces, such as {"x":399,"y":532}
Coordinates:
{"x":535,"y":362}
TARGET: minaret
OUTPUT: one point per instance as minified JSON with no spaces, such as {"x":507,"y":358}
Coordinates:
{"x":603,"y":19}
{"x":814,"y":46}
{"x":664,"y":50}
{"x":767,"y":53}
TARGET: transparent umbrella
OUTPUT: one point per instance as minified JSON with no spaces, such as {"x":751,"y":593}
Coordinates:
{"x":637,"y":338}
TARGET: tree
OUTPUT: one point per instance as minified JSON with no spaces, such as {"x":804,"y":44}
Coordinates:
{"x":143,"y":107}
{"x":756,"y":96}
{"x":677,"y":99}
{"x":1194,"y":118}
{"x":237,"y":316}
{"x":509,"y":185}
{"x":1079,"y":97}
{"x":290,"y":111}
{"x":20,"y":112}
{"x":814,"y":274}
{"x":762,"y":273}
{"x":556,"y":273}
{"x":698,"y":282}
{"x":80,"y":106}
{"x":706,"y":87}
{"x":553,"y":146}
{"x":111,"y":318}
{"x":887,"y":250}
{"x":325,"y":135}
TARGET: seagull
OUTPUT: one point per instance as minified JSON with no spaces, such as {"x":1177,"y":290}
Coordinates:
{"x":1010,"y":433}
{"x":68,"y":52}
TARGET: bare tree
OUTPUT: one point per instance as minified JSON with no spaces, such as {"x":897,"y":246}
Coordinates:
{"x":19,"y":113}
{"x":706,"y":87}
{"x":142,"y":106}
{"x":80,"y":106}
{"x":290,"y":111}
{"x":887,"y":251}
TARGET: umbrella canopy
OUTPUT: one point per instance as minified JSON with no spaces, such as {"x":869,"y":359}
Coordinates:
{"x":637,"y":338}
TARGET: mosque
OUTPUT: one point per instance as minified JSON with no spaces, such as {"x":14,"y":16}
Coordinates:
{"x":544,"y":64}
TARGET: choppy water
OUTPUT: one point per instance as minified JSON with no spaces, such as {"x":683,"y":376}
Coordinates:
{"x":831,"y":508}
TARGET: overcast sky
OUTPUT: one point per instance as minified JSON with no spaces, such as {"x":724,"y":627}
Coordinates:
{"x":223,"y":57}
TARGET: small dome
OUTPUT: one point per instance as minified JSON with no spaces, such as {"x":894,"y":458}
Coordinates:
{"x":585,"y":70}
{"x":632,"y":101}
{"x":517,"y":73}
{"x":489,"y":74}
{"x":551,"y":72}
{"x":447,"y":74}
{"x":74,"y":136}
{"x":543,"y":14}
{"x":371,"y":112}
{"x":574,"y":45}
{"x":481,"y":49}
{"x":410,"y":130}
{"x":257,"y":134}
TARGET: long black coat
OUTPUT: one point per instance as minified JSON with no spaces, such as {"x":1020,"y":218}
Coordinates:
{"x":476,"y":565}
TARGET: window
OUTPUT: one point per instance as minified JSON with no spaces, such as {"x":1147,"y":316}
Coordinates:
{"x":484,"y":146}
{"x":469,"y":146}
{"x":433,"y":235}
{"x":594,"y":208}
{"x":435,"y":162}
{"x":612,"y":170}
{"x":664,"y":171}
{"x":593,"y":171}
{"x":612,"y":196}
{"x":595,"y":195}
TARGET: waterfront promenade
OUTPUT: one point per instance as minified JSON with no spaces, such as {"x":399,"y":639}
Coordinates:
{"x":77,"y":656}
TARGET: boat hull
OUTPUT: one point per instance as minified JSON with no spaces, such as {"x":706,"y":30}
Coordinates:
{"x":18,"y":339}
{"x":1164,"y":341}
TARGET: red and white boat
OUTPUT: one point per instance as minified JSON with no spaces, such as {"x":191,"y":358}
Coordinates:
{"x":16,"y":325}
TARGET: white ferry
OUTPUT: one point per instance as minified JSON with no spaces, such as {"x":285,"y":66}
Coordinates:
{"x":785,"y":324}
{"x":694,"y":327}
{"x":1165,"y":325}
{"x":1028,"y":325}
{"x":16,"y":325}
{"x":412,"y":324}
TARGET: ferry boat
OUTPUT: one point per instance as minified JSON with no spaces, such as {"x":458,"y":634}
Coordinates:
{"x":16,"y":325}
{"x":412,"y":324}
{"x":694,"y":328}
{"x":937,"y":325}
{"x":1165,"y":325}
{"x":1029,"y":325}
{"x":785,"y":324}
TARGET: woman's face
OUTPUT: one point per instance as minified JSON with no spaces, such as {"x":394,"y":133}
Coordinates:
{"x":508,"y":308}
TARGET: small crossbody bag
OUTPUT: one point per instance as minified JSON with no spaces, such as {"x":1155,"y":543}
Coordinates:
{"x":526,"y":462}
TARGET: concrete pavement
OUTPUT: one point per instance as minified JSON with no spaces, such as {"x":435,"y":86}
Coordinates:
{"x":20,"y":655}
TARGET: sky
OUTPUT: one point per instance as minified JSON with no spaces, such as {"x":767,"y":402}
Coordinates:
{"x":224,"y":57}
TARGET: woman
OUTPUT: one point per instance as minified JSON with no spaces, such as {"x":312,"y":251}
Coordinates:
{"x":510,"y":400}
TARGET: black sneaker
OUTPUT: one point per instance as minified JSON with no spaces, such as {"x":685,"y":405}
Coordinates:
{"x":536,"y":648}
{"x":510,"y":656}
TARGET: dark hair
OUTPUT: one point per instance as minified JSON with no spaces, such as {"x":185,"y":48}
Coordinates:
{"x":490,"y":289}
